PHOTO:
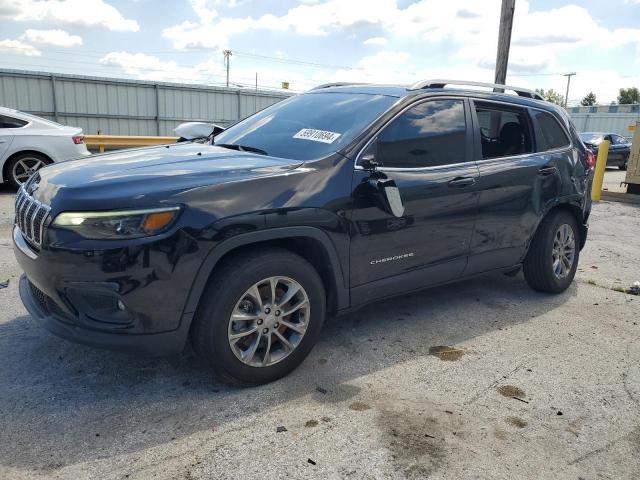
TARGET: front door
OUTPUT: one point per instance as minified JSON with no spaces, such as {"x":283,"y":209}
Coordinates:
{"x":427,"y":151}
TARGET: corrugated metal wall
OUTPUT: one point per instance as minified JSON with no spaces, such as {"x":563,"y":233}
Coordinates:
{"x":605,"y":118}
{"x":605,"y":122}
{"x":126,"y":107}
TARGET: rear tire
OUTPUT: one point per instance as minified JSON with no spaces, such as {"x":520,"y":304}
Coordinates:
{"x":241,"y":287}
{"x":552,"y":260}
{"x":624,"y":165}
{"x":20,"y":168}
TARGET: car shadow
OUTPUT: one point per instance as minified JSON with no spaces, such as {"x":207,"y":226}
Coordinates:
{"x":64,"y":403}
{"x":6,"y":188}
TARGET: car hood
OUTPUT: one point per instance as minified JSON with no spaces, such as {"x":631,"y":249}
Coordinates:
{"x":142,"y":173}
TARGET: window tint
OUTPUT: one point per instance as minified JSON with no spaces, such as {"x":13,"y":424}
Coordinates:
{"x":429,"y":134}
{"x":10,"y":122}
{"x":503,"y":132}
{"x":549,"y":133}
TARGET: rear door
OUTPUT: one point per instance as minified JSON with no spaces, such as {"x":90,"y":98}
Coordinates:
{"x":517,"y":180}
{"x":427,"y":150}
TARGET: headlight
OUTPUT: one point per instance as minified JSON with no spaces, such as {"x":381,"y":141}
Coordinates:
{"x":118,"y":224}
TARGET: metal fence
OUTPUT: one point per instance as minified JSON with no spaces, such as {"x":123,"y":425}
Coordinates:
{"x":126,"y":107}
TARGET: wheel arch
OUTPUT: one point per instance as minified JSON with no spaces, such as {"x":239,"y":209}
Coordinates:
{"x":7,"y":161}
{"x":309,"y":242}
{"x":575,"y":209}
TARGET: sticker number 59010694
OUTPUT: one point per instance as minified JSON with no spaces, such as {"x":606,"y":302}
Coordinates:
{"x":317,"y":135}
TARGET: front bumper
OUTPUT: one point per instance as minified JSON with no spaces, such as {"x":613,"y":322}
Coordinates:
{"x":77,"y":294}
{"x":157,"y":344}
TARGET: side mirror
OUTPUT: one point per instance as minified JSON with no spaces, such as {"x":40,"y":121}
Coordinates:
{"x":368,"y":162}
{"x":368,"y":159}
{"x":195,"y":130}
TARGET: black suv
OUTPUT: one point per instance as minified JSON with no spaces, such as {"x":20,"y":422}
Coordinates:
{"x":321,"y":203}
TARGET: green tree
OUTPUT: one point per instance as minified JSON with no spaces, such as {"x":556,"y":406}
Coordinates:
{"x":588,"y":100}
{"x":629,"y":95}
{"x":551,"y":96}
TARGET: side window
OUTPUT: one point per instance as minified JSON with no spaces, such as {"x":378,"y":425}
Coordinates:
{"x":10,"y":122}
{"x":549,"y":133}
{"x":618,"y":140}
{"x":504,"y":132}
{"x":429,"y":134}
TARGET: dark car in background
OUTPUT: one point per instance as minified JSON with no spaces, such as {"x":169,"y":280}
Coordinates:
{"x":619,"y":148}
{"x":323,"y":202}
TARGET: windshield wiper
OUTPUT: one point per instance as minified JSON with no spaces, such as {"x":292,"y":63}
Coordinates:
{"x":242,"y":148}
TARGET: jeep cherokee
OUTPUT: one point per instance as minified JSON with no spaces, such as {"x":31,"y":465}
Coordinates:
{"x":324,"y":202}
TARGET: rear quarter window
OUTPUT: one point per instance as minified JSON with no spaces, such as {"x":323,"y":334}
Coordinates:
{"x":549,"y":134}
{"x":11,"y":122}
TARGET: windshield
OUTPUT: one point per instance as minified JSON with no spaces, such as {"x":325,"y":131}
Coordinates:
{"x":593,"y":138}
{"x":307,"y":126}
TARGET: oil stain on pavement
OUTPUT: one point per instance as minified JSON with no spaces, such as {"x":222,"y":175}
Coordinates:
{"x":511,"y":391}
{"x":448,"y":354}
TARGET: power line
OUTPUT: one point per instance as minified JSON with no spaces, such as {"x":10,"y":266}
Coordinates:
{"x":535,"y":74}
{"x":100,"y":53}
{"x":295,"y":61}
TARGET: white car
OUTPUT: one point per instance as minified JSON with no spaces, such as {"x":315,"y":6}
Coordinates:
{"x":27,"y":143}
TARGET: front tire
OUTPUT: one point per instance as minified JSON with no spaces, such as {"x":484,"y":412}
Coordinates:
{"x":552,"y":260}
{"x":260,"y":315}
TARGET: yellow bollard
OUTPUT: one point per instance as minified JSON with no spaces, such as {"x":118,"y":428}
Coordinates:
{"x":601,"y":165}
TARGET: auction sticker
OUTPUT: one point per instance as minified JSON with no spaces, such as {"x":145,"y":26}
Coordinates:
{"x":317,"y":135}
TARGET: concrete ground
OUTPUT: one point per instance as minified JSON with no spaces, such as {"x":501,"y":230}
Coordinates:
{"x":614,"y":180}
{"x":534,"y":387}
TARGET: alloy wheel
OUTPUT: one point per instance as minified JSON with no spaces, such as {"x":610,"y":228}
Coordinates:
{"x":564,"y":251}
{"x":269,"y":321}
{"x":25,"y":167}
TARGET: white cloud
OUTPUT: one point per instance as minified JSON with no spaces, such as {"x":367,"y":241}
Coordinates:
{"x":465,"y":30}
{"x":19,"y":48}
{"x":87,"y":13}
{"x":149,"y":67}
{"x":375,"y":41}
{"x":310,"y":19}
{"x":204,"y":9}
{"x":59,"y":38}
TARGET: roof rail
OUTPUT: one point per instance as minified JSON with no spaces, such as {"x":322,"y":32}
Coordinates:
{"x":336,"y":84}
{"x":522,"y":92}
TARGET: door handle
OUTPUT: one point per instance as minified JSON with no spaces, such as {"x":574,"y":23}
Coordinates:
{"x":545,"y":171}
{"x":461,"y":182}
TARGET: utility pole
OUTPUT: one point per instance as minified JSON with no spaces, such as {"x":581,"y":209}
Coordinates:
{"x":566,"y":97}
{"x":504,"y":40}
{"x":227,"y":54}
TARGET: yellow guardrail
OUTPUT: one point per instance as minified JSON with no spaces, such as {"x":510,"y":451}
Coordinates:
{"x":102,"y":142}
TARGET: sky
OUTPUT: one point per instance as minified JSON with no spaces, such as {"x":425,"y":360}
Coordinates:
{"x":309,"y":42}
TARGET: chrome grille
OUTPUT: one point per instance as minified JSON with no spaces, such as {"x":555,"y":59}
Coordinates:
{"x":31,"y":216}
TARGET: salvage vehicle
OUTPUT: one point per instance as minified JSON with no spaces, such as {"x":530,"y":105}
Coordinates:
{"x":619,"y":147}
{"x":28,"y":143}
{"x":321,"y":203}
